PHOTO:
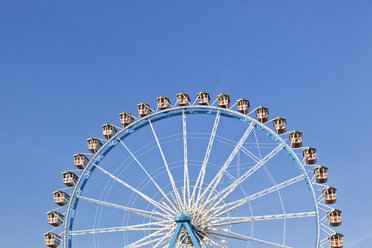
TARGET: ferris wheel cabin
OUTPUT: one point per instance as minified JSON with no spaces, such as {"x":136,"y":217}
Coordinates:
{"x":223,"y":101}
{"x":334,"y":217}
{"x":262,"y":114}
{"x":296,"y":139}
{"x":108,"y":130}
{"x":126,"y":118}
{"x":60,"y":197}
{"x":280,"y":125}
{"x":94,"y":144}
{"x":143,"y":109}
{"x":52,"y":240}
{"x":203,"y":98}
{"x":336,"y":240}
{"x":55,"y":218}
{"x":163,"y":103}
{"x":80,"y":161}
{"x":243,"y":106}
{"x":69,"y":178}
{"x":183,"y":99}
{"x":329,"y":195}
{"x":309,"y":154}
{"x":321,"y":174}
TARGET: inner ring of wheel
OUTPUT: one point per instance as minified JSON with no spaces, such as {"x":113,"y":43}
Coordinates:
{"x":164,"y":114}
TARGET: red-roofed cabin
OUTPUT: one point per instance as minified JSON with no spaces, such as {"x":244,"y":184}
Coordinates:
{"x":223,"y":101}
{"x":60,"y":198}
{"x":262,"y":114}
{"x":296,"y":139}
{"x":329,"y":195}
{"x":109,"y":130}
{"x":55,"y":218}
{"x":280,"y":125}
{"x":183,"y":99}
{"x":69,"y":178}
{"x":143,"y":109}
{"x":334,"y":217}
{"x":80,"y":161}
{"x":321,"y":174}
{"x":163,"y":103}
{"x":309,"y":154}
{"x":243,"y":106}
{"x":336,"y":240}
{"x":94,"y":144}
{"x":203,"y":98}
{"x":52,"y":240}
{"x":126,"y":118}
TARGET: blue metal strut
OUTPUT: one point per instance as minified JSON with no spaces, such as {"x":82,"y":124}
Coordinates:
{"x":184,"y":220}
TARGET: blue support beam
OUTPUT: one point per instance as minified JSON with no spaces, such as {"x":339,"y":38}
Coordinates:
{"x":184,"y":221}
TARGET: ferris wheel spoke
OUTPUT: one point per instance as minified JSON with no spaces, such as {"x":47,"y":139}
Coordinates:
{"x":151,"y":242}
{"x":171,"y":178}
{"x":328,"y":228}
{"x":165,"y":239}
{"x":207,"y":244}
{"x":186,"y":176}
{"x":149,"y":214}
{"x":237,"y":236}
{"x":212,"y":241}
{"x":201,"y":176}
{"x":149,"y":176}
{"x":238,"y":203}
{"x":275,"y":183}
{"x":221,"y":196}
{"x":277,"y":187}
{"x":218,"y":240}
{"x":139,"y":242}
{"x":225,"y":221}
{"x":147,"y":198}
{"x":140,"y":227}
{"x":146,"y":243}
{"x":217,"y":179}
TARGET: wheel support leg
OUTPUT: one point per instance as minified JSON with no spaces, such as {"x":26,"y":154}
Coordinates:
{"x":184,"y":222}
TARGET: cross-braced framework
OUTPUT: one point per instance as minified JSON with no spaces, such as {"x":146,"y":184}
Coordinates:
{"x":188,"y":187}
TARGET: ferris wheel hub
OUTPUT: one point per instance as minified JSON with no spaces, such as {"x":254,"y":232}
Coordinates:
{"x":183,"y":218}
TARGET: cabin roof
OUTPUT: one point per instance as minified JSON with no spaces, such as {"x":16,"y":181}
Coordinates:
{"x":309,"y":147}
{"x":79,"y":154}
{"x":108,"y":124}
{"x":125,"y":113}
{"x":45,"y":234}
{"x":334,"y":210}
{"x":223,"y":94}
{"x":93,"y":138}
{"x":63,"y":192}
{"x":182,"y":93}
{"x":277,"y":118}
{"x":68,"y":172}
{"x":202,"y":92}
{"x":329,"y":188}
{"x":162,"y":97}
{"x":335,"y":234}
{"x":141,"y":104}
{"x":58,"y":213}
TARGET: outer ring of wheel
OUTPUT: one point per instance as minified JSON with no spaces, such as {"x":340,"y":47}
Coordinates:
{"x":164,"y":114}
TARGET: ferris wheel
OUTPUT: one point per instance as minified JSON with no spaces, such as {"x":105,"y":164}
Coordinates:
{"x":196,"y":174}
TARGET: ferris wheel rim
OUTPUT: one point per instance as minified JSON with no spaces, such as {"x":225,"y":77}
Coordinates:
{"x":165,"y":114}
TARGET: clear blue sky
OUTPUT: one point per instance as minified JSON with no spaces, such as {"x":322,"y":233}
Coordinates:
{"x":66,"y":67}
